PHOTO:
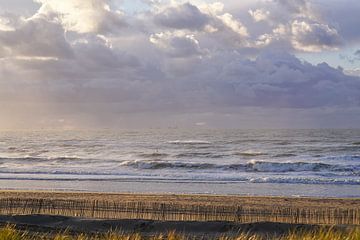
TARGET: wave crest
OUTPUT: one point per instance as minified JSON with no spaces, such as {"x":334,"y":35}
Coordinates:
{"x":189,"y":142}
{"x":250,"y":153}
{"x":252,"y":166}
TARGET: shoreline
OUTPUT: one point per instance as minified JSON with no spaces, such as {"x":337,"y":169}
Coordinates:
{"x":231,"y":188}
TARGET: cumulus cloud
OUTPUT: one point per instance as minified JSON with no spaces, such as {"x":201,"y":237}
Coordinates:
{"x":183,"y":16}
{"x":259,"y":14}
{"x":230,"y":22}
{"x":298,"y":24}
{"x":314,"y":37}
{"x":83,"y":16}
{"x":201,"y":21}
{"x":209,"y":18}
{"x":35,"y":38}
{"x":175,"y":57}
{"x":177,"y":45}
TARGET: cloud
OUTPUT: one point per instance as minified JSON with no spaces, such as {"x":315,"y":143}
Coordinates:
{"x":35,"y":38}
{"x":297,"y":24}
{"x":201,"y":21}
{"x":230,"y":22}
{"x":207,"y":17}
{"x":6,"y":22}
{"x":183,"y":16}
{"x":314,"y":37}
{"x":88,"y":59}
{"x":353,"y":72}
{"x":278,"y":80}
{"x":259,"y":14}
{"x":343,"y":15}
{"x":177,"y":44}
{"x":92,"y":16}
{"x":295,"y":6}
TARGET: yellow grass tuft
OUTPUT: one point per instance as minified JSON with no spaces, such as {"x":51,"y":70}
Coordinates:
{"x":10,"y":233}
{"x":324,"y":234}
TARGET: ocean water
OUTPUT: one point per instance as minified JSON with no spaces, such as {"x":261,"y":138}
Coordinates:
{"x":246,"y":162}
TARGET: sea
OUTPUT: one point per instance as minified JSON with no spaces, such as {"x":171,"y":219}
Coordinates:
{"x":303,"y":163}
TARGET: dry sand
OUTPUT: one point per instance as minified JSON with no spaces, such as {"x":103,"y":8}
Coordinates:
{"x":150,"y":213}
{"x":213,"y":200}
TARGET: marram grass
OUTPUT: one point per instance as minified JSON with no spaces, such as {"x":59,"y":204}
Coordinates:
{"x":10,"y":233}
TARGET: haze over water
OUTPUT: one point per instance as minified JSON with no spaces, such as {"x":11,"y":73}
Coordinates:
{"x":255,"y":162}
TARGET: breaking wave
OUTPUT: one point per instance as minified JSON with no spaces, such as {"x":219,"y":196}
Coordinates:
{"x":153,"y":155}
{"x":285,"y":155}
{"x":250,"y":153}
{"x":190,"y":142}
{"x":64,"y":176}
{"x":29,"y":159}
{"x":252,"y":166}
{"x":41,"y":158}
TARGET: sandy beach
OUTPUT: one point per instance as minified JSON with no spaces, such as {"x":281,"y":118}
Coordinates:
{"x":150,"y":213}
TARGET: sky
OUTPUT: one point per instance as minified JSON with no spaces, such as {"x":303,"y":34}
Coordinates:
{"x":93,"y":64}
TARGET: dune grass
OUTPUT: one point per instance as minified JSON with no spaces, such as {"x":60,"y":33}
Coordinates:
{"x":10,"y":233}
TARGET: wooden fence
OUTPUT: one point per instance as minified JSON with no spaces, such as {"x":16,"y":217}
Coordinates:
{"x":178,"y":212}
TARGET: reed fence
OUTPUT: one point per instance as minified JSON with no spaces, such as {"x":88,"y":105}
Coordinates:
{"x":179,"y":212}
